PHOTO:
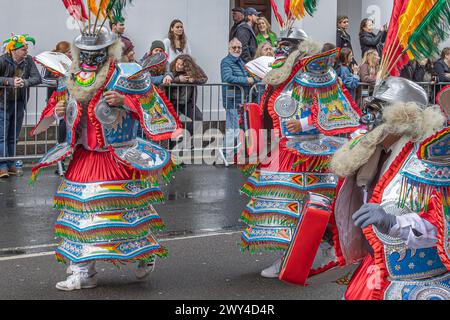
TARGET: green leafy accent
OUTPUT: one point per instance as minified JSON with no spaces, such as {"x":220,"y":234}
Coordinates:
{"x":434,"y":29}
{"x":311,"y":6}
{"x":115,"y":10}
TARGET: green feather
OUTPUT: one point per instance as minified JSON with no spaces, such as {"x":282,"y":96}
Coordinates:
{"x":115,"y":10}
{"x":434,"y":29}
{"x":311,"y":6}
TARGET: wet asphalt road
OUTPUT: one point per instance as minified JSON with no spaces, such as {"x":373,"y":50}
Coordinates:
{"x":202,"y":234}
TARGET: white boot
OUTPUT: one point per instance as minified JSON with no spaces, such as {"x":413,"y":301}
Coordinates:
{"x":77,"y":281}
{"x":273,"y":271}
{"x":144,"y":269}
{"x":83,"y":277}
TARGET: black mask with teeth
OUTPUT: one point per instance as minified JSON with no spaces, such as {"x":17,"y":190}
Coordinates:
{"x":372,"y":112}
{"x":92,"y":60}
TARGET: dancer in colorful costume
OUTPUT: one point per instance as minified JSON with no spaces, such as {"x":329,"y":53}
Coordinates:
{"x":402,"y":165}
{"x":312,"y":114}
{"x":107,"y":194}
{"x":406,"y":219}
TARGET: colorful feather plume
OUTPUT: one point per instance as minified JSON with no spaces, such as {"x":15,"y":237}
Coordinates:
{"x":103,"y":7}
{"x":95,"y":12}
{"x":434,"y":29}
{"x":116,"y":8}
{"x":311,"y":6}
{"x":392,"y":46}
{"x":92,"y":6}
{"x":294,"y":10}
{"x":276,"y":13}
{"x":76,"y":9}
{"x":287,"y":9}
{"x":416,"y":29}
{"x":298,"y":9}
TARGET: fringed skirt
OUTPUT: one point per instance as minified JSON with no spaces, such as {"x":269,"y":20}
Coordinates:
{"x":278,"y":190}
{"x":106,"y":211}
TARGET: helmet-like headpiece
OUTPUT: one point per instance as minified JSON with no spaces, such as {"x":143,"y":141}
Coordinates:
{"x":389,"y":91}
{"x":293,"y":34}
{"x":91,"y":19}
{"x":94,"y":41}
{"x":396,"y":89}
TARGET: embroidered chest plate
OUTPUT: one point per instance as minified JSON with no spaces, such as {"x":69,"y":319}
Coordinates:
{"x":118,"y":124}
{"x":325,"y":146}
{"x":404,"y":263}
{"x":434,"y":289}
{"x":120,"y":80}
{"x":287,"y":109}
{"x":144,"y":155}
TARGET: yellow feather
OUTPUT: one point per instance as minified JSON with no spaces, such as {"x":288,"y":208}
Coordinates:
{"x":103,"y":5}
{"x":298,"y":8}
{"x":92,"y":5}
{"x":414,"y":14}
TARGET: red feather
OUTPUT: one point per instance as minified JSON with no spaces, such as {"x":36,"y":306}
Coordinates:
{"x":276,"y":13}
{"x":287,"y":8}
{"x":76,"y":9}
{"x":392,"y":39}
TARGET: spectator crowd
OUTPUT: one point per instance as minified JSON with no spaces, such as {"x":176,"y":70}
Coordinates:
{"x":251,"y":37}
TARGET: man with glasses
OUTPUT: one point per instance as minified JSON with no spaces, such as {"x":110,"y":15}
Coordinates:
{"x":232,"y":71}
{"x":17,"y":74}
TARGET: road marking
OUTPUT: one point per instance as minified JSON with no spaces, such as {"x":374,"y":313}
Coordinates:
{"x":26,"y":256}
{"x":43,"y":254}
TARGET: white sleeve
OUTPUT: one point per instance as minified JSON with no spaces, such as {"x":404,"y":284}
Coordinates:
{"x":425,"y":236}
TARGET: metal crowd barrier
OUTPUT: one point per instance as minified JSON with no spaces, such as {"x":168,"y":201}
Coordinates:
{"x":201,"y":111}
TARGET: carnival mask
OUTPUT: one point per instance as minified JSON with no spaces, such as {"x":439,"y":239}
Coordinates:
{"x":284,"y":49}
{"x":372,"y":113}
{"x":282,"y":52}
{"x":92,"y":60}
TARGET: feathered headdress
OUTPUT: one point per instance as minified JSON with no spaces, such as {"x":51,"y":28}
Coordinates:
{"x":294,"y":10}
{"x":416,"y":29}
{"x":17,"y":42}
{"x":89,"y":14}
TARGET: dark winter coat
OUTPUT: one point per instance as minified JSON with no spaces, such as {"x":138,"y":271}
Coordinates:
{"x":247,"y":37}
{"x":441,"y":68}
{"x":343,"y":39}
{"x":26,"y":70}
{"x":370,"y":40}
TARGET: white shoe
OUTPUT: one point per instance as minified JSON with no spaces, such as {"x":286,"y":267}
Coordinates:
{"x":273,"y":271}
{"x":144,"y":269}
{"x":77,"y":281}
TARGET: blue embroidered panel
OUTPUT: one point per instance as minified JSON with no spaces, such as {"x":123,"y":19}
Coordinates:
{"x":123,"y":131}
{"x":424,"y":263}
{"x":119,"y":81}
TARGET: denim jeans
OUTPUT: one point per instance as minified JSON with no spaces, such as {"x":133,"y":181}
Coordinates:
{"x":11,"y":119}
{"x":231,"y":133}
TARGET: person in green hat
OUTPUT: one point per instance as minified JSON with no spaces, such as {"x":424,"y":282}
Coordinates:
{"x":17,"y":74}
